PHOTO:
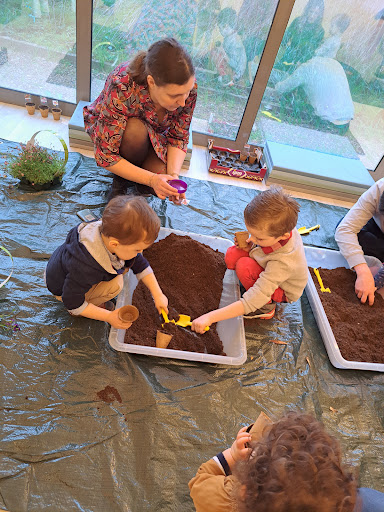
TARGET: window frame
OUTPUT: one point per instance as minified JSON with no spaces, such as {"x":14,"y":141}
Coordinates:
{"x":84,"y":18}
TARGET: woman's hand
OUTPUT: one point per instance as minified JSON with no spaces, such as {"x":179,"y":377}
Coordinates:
{"x":200,"y":323}
{"x":159,"y":183}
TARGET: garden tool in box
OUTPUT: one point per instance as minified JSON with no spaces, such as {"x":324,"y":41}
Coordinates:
{"x":306,"y":231}
{"x":185,"y":321}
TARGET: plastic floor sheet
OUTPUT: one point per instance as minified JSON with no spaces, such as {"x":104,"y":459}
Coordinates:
{"x":63,"y":449}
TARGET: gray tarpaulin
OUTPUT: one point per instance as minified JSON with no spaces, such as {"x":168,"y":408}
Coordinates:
{"x":62,"y":449}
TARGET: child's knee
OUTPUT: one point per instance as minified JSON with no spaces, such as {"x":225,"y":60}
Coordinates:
{"x":248,"y":271}
{"x":118,"y":284}
{"x":233,"y":255}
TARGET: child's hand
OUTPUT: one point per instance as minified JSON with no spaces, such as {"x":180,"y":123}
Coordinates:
{"x":247,"y":249}
{"x":239,"y":449}
{"x":200,"y":323}
{"x":365,"y":285}
{"x":177,"y":199}
{"x":114,"y":320}
{"x":161,"y":302}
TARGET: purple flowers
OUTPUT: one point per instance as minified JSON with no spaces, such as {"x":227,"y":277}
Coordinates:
{"x":8,"y":323}
{"x":35,"y":164}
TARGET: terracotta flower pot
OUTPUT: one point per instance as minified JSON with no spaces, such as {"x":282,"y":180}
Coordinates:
{"x":163,"y":339}
{"x":128,"y":313}
{"x":31,"y":107}
{"x":243,"y":156}
{"x":242,"y":237}
{"x":56,"y":113}
{"x":44,"y":109}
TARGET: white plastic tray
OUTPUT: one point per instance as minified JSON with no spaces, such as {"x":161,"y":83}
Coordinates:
{"x":231,"y":332}
{"x":326,"y":258}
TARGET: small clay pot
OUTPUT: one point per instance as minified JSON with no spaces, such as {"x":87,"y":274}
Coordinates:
{"x":44,"y":109}
{"x":56,"y":113}
{"x":31,"y":107}
{"x":243,"y":156}
{"x":252,"y":158}
{"x":128,"y":313}
{"x":242,"y":237}
{"x":163,"y":339}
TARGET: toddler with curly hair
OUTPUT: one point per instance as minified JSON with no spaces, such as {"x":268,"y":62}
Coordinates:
{"x":291,"y":465}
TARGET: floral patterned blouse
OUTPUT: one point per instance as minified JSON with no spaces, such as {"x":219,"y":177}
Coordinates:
{"x":105,"y":119}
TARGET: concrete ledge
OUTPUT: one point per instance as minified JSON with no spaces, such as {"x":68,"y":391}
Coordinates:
{"x":308,"y":169}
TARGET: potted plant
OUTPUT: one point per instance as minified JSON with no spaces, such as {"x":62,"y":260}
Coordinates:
{"x":44,"y":110}
{"x":30,"y":106}
{"x":36,"y":167}
{"x":56,"y":112}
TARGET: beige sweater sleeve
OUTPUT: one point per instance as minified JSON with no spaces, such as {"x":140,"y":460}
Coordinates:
{"x":360,"y":213}
{"x":211,"y":490}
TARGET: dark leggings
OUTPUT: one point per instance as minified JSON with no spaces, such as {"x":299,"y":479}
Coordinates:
{"x":371,"y":239}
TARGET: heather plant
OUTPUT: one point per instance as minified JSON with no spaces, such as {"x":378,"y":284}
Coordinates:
{"x":35,"y":165}
{"x":8,"y":322}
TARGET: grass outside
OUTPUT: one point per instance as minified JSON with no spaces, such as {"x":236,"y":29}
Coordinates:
{"x":222,"y":106}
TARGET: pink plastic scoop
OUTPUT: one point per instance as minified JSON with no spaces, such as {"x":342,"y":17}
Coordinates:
{"x":180,"y":185}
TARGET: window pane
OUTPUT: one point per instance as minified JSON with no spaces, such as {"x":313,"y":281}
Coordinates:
{"x":225,"y":44}
{"x":37,"y":47}
{"x":326,"y":90}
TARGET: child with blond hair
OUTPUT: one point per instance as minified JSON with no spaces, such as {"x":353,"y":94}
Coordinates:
{"x":272,"y":268}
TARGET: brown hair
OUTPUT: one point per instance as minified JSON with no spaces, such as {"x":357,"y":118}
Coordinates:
{"x":295,"y":467}
{"x":166,"y":61}
{"x":272,"y":210}
{"x":130,"y":219}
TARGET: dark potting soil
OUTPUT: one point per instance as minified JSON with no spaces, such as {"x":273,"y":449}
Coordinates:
{"x":191,"y":276}
{"x":357,"y":327}
{"x":109,"y":394}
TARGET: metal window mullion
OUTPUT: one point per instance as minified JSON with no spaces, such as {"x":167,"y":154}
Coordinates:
{"x":378,"y":173}
{"x":84,"y":11}
{"x":272,"y":45}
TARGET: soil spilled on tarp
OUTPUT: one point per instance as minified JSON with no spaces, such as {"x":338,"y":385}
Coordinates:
{"x":109,"y":394}
{"x":191,"y":275}
{"x":358,"y":328}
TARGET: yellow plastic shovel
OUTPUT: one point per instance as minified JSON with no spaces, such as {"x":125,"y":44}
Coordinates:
{"x":166,"y":319}
{"x":317,"y":274}
{"x":185,"y":321}
{"x":305,"y":231}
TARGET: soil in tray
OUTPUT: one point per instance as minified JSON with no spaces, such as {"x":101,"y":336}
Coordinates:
{"x":357,"y":327}
{"x":191,"y":276}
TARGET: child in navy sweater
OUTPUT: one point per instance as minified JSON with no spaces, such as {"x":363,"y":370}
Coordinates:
{"x":86,"y":271}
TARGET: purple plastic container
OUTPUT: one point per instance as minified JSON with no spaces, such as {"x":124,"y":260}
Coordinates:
{"x":180,"y":185}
